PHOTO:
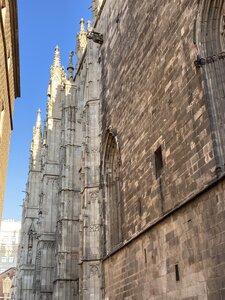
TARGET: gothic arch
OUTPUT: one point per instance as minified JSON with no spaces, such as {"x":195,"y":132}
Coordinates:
{"x":111,"y":190}
{"x":210,"y":43}
{"x":210,"y":27}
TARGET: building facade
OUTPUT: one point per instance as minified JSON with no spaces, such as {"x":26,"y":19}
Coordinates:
{"x":9,"y":241}
{"x":125,"y":195}
{"x":9,"y":82}
{"x":6,"y":279}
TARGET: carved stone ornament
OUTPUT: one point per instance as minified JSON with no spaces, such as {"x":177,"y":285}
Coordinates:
{"x":94,"y":270}
{"x":94,"y":150}
{"x":94,"y":195}
{"x":94,"y":227}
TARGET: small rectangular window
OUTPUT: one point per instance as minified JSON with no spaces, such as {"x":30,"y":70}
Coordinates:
{"x":177,"y":272}
{"x":139,"y":207}
{"x":11,"y":259}
{"x":5,"y":240}
{"x":158,"y":161}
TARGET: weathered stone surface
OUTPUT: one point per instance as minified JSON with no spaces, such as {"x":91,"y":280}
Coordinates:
{"x":158,"y":101}
{"x":184,"y":239}
{"x":132,"y":188}
{"x":153,"y":95}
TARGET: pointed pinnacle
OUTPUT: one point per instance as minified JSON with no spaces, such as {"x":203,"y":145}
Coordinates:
{"x":70,"y":65}
{"x":38,"y":121}
{"x":82,"y":29}
{"x":89,"y":29}
{"x":57,"y":57}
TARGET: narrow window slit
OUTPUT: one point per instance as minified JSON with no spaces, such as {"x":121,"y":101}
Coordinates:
{"x":177,"y":272}
{"x":145,"y":255}
{"x":158,"y":161}
{"x":139,"y":207}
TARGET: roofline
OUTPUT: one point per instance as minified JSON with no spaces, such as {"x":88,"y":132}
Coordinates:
{"x":11,"y":268}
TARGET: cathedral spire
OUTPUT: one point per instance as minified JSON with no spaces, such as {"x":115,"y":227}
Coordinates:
{"x":37,"y":129}
{"x":36,"y":143}
{"x":38,"y":121}
{"x":82,"y":37}
{"x":89,"y":28}
{"x":57,"y":75}
{"x":82,"y":29}
{"x":81,"y":41}
{"x":57,"y":62}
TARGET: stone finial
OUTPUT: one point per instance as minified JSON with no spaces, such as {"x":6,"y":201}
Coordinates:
{"x":71,"y":60}
{"x":82,"y":36}
{"x":89,"y":28}
{"x":57,"y":74}
{"x":70,"y":67}
{"x":57,"y":62}
{"x":36,"y":143}
{"x":82,"y":28}
{"x":37,"y":127}
{"x":38,"y":121}
{"x":81,"y":41}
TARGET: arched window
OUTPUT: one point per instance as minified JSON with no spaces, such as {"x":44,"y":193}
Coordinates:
{"x":112,"y":191}
{"x":210,"y":27}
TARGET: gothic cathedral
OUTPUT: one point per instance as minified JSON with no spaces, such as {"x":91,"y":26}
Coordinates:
{"x":125,"y":197}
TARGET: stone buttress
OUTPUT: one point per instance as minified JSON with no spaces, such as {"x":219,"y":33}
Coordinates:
{"x":28,"y":244}
{"x":48,"y":204}
{"x":90,"y":219}
{"x":67,"y":228}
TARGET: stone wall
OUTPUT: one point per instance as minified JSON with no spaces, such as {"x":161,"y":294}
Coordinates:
{"x":155,"y":100}
{"x":192,"y":238}
{"x":153,"y":96}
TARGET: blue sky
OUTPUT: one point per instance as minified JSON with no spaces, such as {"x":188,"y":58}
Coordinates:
{"x":42,"y":25}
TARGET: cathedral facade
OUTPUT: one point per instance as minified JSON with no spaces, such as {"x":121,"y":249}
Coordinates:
{"x":126,"y":190}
